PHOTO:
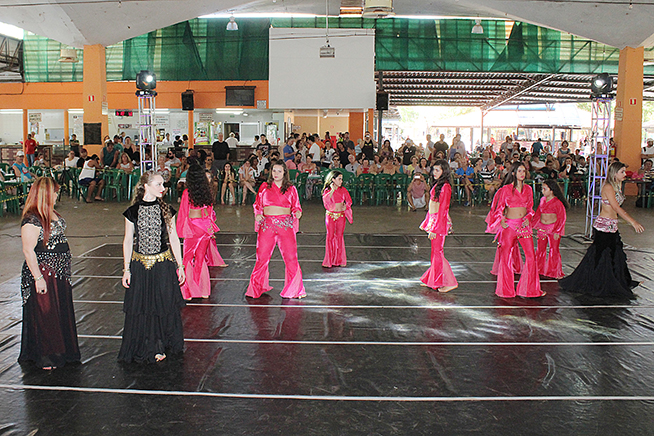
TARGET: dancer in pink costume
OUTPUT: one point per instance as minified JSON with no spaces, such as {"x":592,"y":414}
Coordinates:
{"x":196,"y":223}
{"x":549,"y":222}
{"x":510,"y":219}
{"x":277,"y":212}
{"x":338,"y":208}
{"x":437,"y":224}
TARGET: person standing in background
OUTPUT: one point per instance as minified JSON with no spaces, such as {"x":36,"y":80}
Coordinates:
{"x":30,"y":149}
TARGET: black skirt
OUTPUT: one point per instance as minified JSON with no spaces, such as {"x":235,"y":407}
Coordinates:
{"x":603,"y":271}
{"x":153,"y":323}
{"x":49,"y":336}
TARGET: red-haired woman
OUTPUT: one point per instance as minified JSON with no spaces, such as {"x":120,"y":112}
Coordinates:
{"x":277,"y":212}
{"x":338,"y":208}
{"x":49,"y":334}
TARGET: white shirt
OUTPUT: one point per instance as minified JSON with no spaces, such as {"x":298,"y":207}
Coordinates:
{"x":261,"y":166}
{"x":648,"y":150}
{"x":171,"y":162}
{"x":315,"y":152}
{"x":71,"y":163}
{"x":167,"y":143}
{"x":329,"y":156}
{"x":232,"y":142}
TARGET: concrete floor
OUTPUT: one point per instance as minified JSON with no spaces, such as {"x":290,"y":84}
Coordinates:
{"x":90,"y":225}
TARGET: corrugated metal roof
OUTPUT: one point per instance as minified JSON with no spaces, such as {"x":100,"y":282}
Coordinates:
{"x":488,"y":90}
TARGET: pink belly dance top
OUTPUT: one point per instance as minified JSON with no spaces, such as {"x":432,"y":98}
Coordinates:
{"x":608,"y":225}
{"x":553,"y":206}
{"x":340,"y":195}
{"x":509,"y":196}
{"x":439,"y":222}
{"x":273,"y":196}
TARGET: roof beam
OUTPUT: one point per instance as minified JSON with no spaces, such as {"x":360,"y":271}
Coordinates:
{"x":516,"y":92}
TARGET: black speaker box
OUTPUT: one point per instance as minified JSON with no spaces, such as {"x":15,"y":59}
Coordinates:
{"x":187,"y":100}
{"x":382,"y":101}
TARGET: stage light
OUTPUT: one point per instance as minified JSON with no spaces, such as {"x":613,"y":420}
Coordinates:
{"x":146,"y":80}
{"x":232,"y":24}
{"x":601,"y":86}
{"x":477,"y":28}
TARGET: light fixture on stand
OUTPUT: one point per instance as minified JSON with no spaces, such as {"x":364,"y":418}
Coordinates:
{"x":232,"y":24}
{"x":477,"y":29}
{"x":68,"y":55}
{"x":146,"y":82}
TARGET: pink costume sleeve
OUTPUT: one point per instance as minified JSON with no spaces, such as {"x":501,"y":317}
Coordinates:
{"x":183,"y":225}
{"x":559,"y":210}
{"x":439,"y":222}
{"x":295,"y":206}
{"x":529,"y":193}
{"x":494,"y":217}
{"x":348,"y":205}
{"x":258,"y":205}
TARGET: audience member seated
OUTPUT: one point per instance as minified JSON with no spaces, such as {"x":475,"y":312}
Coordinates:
{"x":246,"y":179}
{"x":126,"y":164}
{"x":109,"y":155}
{"x":228,"y":178}
{"x":417,"y":192}
{"x":490,"y":177}
{"x":365,"y":167}
{"x":40,"y":160}
{"x":21,"y":171}
{"x":387,"y":166}
{"x":71,"y":160}
{"x":89,"y":177}
{"x":172,"y":161}
{"x":353,"y":165}
{"x":465,"y":174}
{"x":83,"y":157}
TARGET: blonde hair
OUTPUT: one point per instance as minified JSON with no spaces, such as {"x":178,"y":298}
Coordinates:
{"x":611,"y":173}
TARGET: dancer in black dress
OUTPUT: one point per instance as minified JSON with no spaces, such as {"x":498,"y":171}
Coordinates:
{"x":152,"y":276}
{"x":49,"y":334}
{"x":603,"y":271}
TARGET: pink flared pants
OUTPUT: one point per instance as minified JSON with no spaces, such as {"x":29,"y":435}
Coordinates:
{"x":335,"y":242}
{"x":529,"y":283}
{"x":439,"y":273}
{"x":200,"y":252}
{"x":276,"y":230}
{"x":549,"y":266}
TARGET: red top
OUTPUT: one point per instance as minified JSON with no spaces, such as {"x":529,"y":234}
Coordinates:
{"x":184,"y":229}
{"x":553,"y":206}
{"x":30,"y":146}
{"x":439,"y":222}
{"x":272,"y":196}
{"x":340,"y":195}
{"x":509,"y":196}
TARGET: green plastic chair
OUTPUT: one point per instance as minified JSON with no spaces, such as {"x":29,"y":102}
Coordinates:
{"x":364,"y":186}
{"x":292,"y":174}
{"x":113,"y":184}
{"x":383,"y":188}
{"x":301,"y":184}
{"x":400,"y":184}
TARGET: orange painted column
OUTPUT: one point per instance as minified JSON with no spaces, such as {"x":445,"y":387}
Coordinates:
{"x":95,"y":93}
{"x":25,"y":127}
{"x":66,"y":130}
{"x":629,"y":108}
{"x":371,"y":121}
{"x":356,"y":126}
{"x":191,"y":130}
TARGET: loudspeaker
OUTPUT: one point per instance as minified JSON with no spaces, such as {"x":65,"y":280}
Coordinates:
{"x":187,"y":100}
{"x":382,"y":101}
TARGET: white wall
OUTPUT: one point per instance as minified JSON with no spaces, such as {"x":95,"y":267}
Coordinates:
{"x":50,"y":130}
{"x":11,"y":126}
{"x":300,"y":79}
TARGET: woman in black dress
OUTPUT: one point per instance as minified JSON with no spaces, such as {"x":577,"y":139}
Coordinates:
{"x":152,"y":276}
{"x":603,"y":271}
{"x":49,"y":334}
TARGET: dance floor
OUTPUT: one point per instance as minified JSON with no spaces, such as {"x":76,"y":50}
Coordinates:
{"x":369,"y":351}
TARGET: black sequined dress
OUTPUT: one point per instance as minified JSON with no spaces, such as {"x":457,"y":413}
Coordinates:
{"x":49,"y":336}
{"x":153,"y":323}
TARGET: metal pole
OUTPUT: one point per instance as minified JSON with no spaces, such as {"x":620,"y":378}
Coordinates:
{"x":379,"y":112}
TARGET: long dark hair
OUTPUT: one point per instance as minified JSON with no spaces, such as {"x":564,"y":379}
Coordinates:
{"x":286,"y":181}
{"x":139,"y":192}
{"x":330,"y":177}
{"x":438,"y":184}
{"x":198,"y":188}
{"x":511,"y":178}
{"x":556,"y":190}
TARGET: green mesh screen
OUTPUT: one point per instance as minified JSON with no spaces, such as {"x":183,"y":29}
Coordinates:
{"x":202,"y":49}
{"x":41,"y":61}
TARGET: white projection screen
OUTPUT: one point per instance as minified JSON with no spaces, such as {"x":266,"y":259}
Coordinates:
{"x":300,"y":79}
